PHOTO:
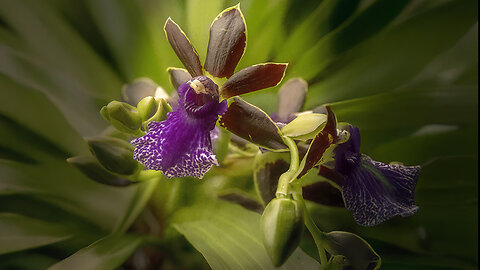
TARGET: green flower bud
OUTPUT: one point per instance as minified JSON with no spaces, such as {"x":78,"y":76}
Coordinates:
{"x":90,"y":168}
{"x":114,"y":154}
{"x":282,"y":227}
{"x":305,"y":126}
{"x":122,"y":116}
{"x":146,"y":107}
{"x":162,"y":109}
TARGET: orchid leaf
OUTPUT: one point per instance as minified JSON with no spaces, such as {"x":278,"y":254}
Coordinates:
{"x":107,"y":253}
{"x":359,"y":28}
{"x":19,"y":232}
{"x":241,"y":246}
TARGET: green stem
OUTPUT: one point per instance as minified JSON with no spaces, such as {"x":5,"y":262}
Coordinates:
{"x":284,"y":180}
{"x":222,"y":144}
{"x":318,"y":236}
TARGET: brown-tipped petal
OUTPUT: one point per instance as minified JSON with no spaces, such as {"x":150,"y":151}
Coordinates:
{"x":319,"y":145}
{"x":178,"y":76}
{"x":291,"y":98}
{"x":253,"y":124}
{"x":227,"y":42}
{"x":183,"y":48}
{"x":253,"y":78}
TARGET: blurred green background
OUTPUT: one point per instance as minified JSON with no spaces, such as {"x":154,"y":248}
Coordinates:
{"x":403,"y":71}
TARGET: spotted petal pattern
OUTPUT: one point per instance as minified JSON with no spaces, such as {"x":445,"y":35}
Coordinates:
{"x":374,"y":191}
{"x":181,"y":145}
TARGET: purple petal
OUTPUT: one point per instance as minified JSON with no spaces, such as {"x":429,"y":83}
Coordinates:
{"x":375,"y":192}
{"x":181,"y":145}
{"x":347,"y":155}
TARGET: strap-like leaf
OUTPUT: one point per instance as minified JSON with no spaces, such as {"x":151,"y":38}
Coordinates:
{"x":227,"y":42}
{"x":183,"y":48}
{"x":253,"y":124}
{"x":229,"y":237}
{"x":253,"y":78}
{"x":107,"y":253}
{"x":19,"y":232}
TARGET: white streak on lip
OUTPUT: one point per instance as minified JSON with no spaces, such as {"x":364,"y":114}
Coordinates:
{"x":198,"y":87}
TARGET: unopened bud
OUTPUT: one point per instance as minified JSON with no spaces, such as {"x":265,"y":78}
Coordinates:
{"x":282,"y":227}
{"x":90,"y":168}
{"x":146,"y":107}
{"x":122,"y":116}
{"x":114,"y":154}
{"x":162,"y":109}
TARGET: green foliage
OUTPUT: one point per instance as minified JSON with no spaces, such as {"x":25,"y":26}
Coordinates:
{"x":229,"y":237}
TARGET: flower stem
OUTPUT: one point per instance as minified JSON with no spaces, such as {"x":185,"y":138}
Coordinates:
{"x":283,"y":181}
{"x":222,"y":144}
{"x":318,"y":236}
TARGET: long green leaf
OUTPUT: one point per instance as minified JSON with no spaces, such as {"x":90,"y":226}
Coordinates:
{"x":19,"y":232}
{"x":392,"y":58}
{"x":107,"y":253}
{"x":228,"y":236}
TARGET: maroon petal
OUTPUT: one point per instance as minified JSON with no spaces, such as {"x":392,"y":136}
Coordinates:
{"x":227,"y":42}
{"x":178,"y":76}
{"x":253,"y":124}
{"x":183,"y":48}
{"x":291,"y":98}
{"x":324,"y":139}
{"x":253,"y":78}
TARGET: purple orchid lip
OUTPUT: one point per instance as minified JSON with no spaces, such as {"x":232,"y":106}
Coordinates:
{"x":181,"y":145}
{"x":374,"y":191}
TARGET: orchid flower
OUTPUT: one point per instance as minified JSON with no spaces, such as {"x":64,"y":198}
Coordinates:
{"x":181,"y":145}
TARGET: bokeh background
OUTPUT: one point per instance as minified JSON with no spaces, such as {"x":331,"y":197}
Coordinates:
{"x":403,"y":71}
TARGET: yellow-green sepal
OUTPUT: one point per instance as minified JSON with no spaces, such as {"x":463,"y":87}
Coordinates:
{"x":306,"y":126}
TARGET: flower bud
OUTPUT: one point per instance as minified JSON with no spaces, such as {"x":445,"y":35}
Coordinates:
{"x":305,"y":126}
{"x":161,"y":113}
{"x":90,"y":168}
{"x":146,"y":107}
{"x":114,"y":154}
{"x":122,"y":116}
{"x":282,"y":227}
